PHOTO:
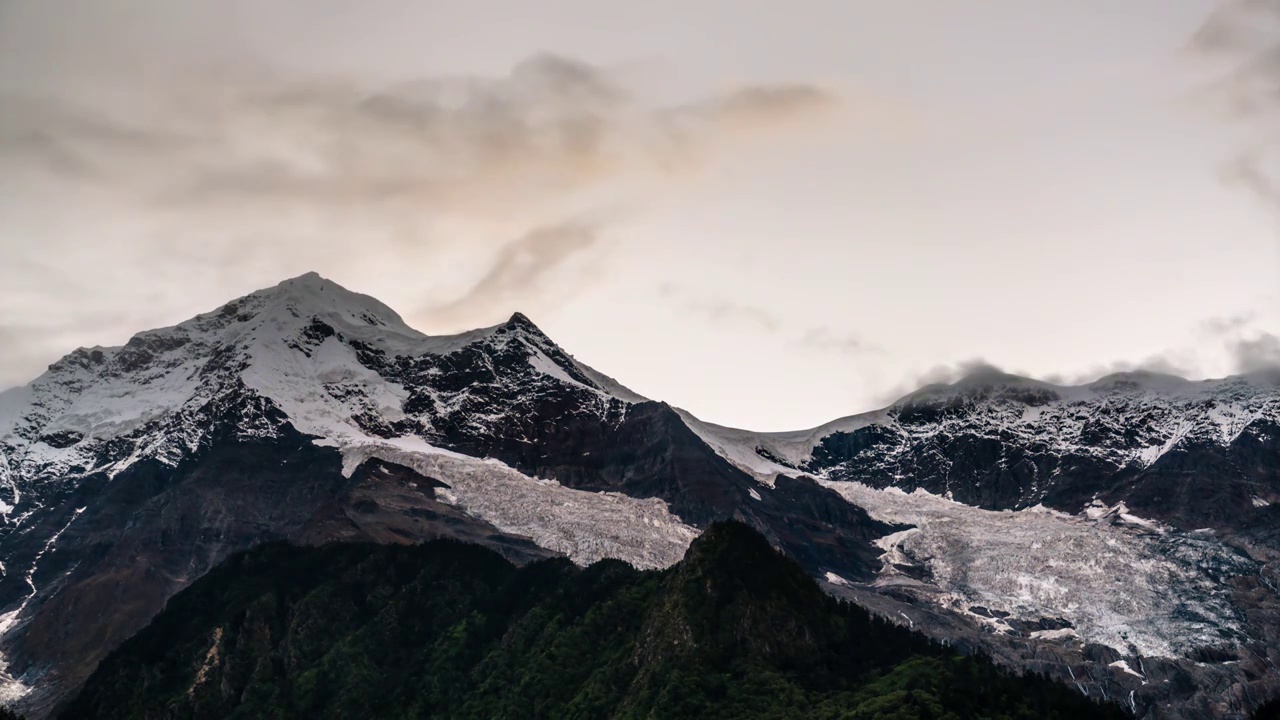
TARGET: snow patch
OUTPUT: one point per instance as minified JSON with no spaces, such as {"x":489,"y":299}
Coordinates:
{"x":585,"y":526}
{"x":1123,"y":666}
{"x":1119,"y":584}
{"x":835,"y":579}
{"x":12,"y":688}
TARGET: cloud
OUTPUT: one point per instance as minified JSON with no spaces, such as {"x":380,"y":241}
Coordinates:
{"x":1243,"y":38}
{"x":519,"y":268}
{"x":827,"y":340}
{"x":551,"y":127}
{"x":1170,"y":363}
{"x":28,"y":347}
{"x":224,"y":181}
{"x":941,"y":374}
{"x":1224,"y":326}
{"x":722,"y":312}
{"x":1256,"y":354}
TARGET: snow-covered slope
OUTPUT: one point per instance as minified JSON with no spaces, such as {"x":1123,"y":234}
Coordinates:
{"x":126,"y":472}
{"x":1000,"y":441}
{"x":302,"y":345}
{"x":1116,"y":579}
{"x":304,"y":357}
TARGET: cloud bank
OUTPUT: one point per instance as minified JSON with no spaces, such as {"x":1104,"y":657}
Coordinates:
{"x":489,"y":189}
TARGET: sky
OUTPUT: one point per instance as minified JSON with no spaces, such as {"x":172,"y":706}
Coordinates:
{"x":770,"y":214}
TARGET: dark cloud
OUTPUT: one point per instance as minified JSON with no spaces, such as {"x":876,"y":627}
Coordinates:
{"x":1249,"y":347}
{"x":949,"y":374}
{"x":1256,"y":354}
{"x":1229,"y":325}
{"x":941,"y":374}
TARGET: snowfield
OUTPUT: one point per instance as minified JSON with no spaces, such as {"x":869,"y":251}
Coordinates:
{"x":1120,"y":580}
{"x":585,"y":526}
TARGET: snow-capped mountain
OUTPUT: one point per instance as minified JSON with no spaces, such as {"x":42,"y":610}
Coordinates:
{"x":998,"y":511}
{"x":312,"y":413}
{"x":1197,"y":454}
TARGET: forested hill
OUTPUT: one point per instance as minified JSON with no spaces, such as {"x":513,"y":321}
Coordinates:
{"x":447,"y":630}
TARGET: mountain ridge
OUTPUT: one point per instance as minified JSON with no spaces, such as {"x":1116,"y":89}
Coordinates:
{"x":130,"y":471}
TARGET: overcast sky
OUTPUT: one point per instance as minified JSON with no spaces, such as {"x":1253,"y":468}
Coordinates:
{"x":769,"y":213}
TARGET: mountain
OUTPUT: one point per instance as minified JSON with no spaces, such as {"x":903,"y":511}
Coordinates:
{"x":443,"y":630}
{"x":1135,"y":520}
{"x":308,"y":413}
{"x":1192,"y":454}
{"x":1123,"y":536}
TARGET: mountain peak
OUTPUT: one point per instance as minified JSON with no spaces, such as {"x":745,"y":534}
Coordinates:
{"x":519,"y":320}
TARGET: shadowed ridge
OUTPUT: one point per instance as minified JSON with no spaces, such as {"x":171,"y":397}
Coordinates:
{"x":733,"y":593}
{"x":735,"y":631}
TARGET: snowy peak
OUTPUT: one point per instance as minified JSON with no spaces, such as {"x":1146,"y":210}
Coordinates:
{"x":335,"y":364}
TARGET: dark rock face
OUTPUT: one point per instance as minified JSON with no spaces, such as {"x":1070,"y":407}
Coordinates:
{"x":148,"y":532}
{"x":650,"y":452}
{"x":1209,"y":458}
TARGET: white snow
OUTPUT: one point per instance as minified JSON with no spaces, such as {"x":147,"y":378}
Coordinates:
{"x":1053,"y":634}
{"x":1124,"y":667}
{"x":585,"y":526}
{"x":1145,"y":416}
{"x":736,"y":446}
{"x":1120,"y":585}
{"x":1259,"y":502}
{"x":611,"y":386}
{"x":12,"y":688}
{"x":322,"y":387}
{"x":835,"y":579}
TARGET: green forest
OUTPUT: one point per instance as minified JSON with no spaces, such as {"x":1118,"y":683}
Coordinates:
{"x":448,"y":630}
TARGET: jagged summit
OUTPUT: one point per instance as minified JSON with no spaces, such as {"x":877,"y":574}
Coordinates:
{"x":337,"y":364}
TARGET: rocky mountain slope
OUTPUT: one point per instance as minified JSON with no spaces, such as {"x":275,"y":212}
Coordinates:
{"x":1094,"y":532}
{"x":444,"y":630}
{"x":1195,"y":454}
{"x":309,"y":413}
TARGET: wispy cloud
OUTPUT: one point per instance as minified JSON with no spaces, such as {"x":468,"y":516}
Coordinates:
{"x":828,"y":340}
{"x":519,"y":269}
{"x":724,"y":312}
{"x":1243,"y":38}
{"x":731,"y":313}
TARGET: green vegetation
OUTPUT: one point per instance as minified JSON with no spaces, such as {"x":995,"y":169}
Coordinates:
{"x":447,"y":630}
